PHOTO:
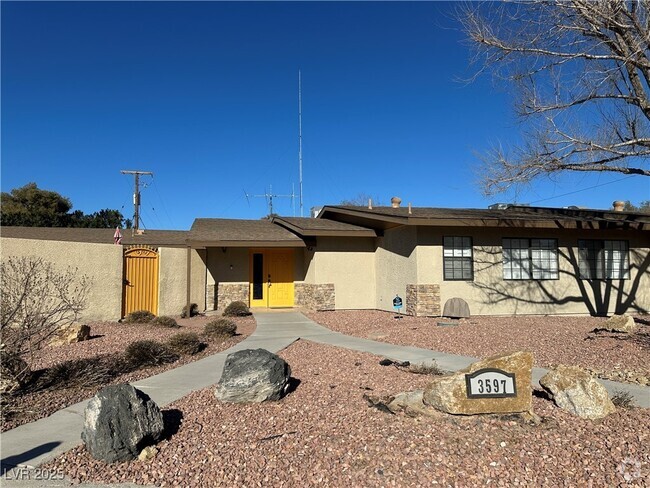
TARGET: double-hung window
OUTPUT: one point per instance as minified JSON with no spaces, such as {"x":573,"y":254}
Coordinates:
{"x":457,"y":259}
{"x":526,"y":259}
{"x":603,"y":260}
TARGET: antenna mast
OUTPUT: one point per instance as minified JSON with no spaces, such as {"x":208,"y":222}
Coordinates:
{"x":136,"y":195}
{"x":270,"y":196}
{"x":300,"y":135}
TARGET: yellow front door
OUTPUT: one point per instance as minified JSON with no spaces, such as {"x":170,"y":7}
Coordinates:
{"x":271,"y":282}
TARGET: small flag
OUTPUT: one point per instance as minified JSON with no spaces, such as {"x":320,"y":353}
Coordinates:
{"x":117,"y":237}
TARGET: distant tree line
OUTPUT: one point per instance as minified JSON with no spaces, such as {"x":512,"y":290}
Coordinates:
{"x":30,"y":206}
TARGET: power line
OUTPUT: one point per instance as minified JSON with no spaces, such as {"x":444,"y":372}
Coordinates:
{"x":584,"y":189}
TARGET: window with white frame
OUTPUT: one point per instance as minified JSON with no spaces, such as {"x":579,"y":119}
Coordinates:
{"x":526,"y":259}
{"x":603,"y":259}
{"x":457,"y":259}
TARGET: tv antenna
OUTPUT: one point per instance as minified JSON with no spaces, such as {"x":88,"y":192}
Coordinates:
{"x":136,"y":194}
{"x":300,"y":136}
{"x":269,"y":196}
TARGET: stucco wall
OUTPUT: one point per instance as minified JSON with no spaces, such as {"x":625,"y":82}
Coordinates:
{"x":100,"y":262}
{"x":395,"y":265}
{"x":349,"y":264}
{"x":490,"y":294}
{"x":173,"y":280}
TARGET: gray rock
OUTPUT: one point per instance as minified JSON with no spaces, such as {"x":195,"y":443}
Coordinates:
{"x":120,"y":421}
{"x":623,"y":324}
{"x":252,"y":376}
{"x":577,"y":392}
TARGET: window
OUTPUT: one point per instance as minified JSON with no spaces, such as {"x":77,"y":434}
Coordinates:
{"x":457,"y":258}
{"x":603,"y":260}
{"x":525,"y":259}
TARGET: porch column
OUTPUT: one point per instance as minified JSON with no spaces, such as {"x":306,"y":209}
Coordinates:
{"x":189,"y":281}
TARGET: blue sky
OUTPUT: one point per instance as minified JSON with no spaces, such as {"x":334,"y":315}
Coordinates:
{"x":205,"y":95}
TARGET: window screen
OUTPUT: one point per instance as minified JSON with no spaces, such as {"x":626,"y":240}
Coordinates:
{"x":525,"y":259}
{"x":457,"y":258}
{"x":603,"y":260}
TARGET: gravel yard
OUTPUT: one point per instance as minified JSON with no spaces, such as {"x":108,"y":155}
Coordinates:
{"x":107,"y":338}
{"x":324,"y":433}
{"x":552,"y":339}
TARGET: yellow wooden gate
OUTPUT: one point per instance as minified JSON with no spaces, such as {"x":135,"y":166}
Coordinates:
{"x":140,"y":289}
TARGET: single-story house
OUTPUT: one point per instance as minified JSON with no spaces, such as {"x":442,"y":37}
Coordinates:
{"x":502,"y":261}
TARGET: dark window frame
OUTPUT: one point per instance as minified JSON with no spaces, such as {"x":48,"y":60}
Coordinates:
{"x":593,"y":263}
{"x":530,"y":262}
{"x":463,"y":260}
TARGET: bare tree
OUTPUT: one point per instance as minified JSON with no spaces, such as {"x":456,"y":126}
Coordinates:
{"x":36,"y":300}
{"x":581,"y":70}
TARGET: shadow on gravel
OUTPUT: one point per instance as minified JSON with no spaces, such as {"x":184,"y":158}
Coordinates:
{"x":292,"y":385}
{"x":172,"y":419}
{"x":537,"y":393}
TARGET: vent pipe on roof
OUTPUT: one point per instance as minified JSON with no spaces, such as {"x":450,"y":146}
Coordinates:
{"x":369,"y":203}
{"x":618,"y":205}
{"x":395,"y":202}
{"x":410,"y":212}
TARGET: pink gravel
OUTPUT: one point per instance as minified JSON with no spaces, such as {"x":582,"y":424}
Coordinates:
{"x":551,"y":339}
{"x":106,"y":338}
{"x":325,"y":434}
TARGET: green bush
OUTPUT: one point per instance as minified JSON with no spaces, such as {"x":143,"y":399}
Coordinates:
{"x":165,"y":321}
{"x":194,"y":310}
{"x":185,"y":343}
{"x":220,"y":328}
{"x":139,"y":317}
{"x":139,"y":354}
{"x":236,"y":309}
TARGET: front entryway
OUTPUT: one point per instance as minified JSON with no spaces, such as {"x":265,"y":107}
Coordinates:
{"x":271,"y":278}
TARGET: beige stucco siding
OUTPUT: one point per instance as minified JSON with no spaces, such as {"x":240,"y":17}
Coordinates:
{"x":173,"y":280}
{"x":490,"y":294}
{"x":348,"y":263}
{"x":102,"y":263}
{"x":230,"y":266}
{"x":395,"y":265}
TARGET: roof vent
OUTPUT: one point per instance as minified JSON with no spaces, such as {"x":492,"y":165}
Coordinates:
{"x":498,"y":206}
{"x":395,"y":202}
{"x":618,"y":205}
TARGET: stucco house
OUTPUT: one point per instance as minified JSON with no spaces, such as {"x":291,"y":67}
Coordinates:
{"x":501,"y":261}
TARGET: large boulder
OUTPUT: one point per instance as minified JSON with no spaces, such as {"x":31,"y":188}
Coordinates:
{"x":120,"y":421}
{"x":577,"y":392}
{"x":450,"y":393}
{"x":623,"y":324}
{"x":456,"y":308}
{"x":253,"y":375}
{"x":71,"y":333}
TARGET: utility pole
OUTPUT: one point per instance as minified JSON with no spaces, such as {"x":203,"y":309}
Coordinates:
{"x":136,"y":194}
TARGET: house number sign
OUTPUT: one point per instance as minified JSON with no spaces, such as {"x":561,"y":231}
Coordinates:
{"x":490,"y":383}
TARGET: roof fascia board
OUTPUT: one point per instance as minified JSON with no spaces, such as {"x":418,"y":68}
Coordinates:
{"x":205,"y":244}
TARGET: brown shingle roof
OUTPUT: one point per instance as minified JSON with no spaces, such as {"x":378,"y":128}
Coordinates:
{"x":323,"y":227}
{"x":383,"y":217}
{"x":241,"y":233}
{"x":169,"y":238}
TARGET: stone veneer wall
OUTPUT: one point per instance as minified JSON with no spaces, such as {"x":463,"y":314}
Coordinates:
{"x":226,"y":294}
{"x":423,"y":300}
{"x":315,"y":297}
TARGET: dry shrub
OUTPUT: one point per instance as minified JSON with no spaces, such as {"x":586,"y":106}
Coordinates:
{"x":139,"y":354}
{"x":236,"y":309}
{"x":185,"y":343}
{"x":164,"y":321}
{"x":139,"y":317}
{"x":220,"y":328}
{"x":623,"y":399}
{"x":85,"y":372}
{"x":194,"y":310}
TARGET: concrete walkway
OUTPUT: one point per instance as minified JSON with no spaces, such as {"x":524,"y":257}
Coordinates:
{"x":34,"y":443}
